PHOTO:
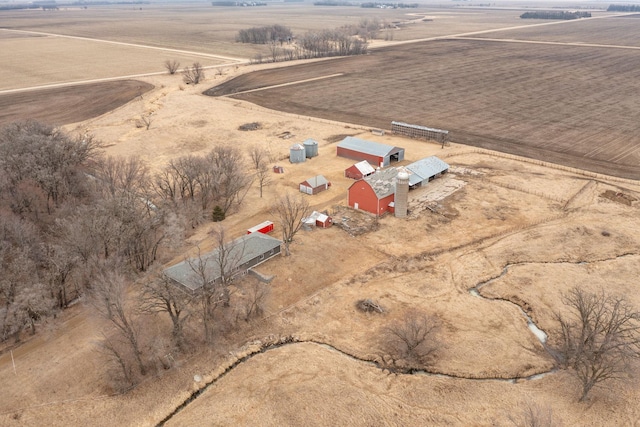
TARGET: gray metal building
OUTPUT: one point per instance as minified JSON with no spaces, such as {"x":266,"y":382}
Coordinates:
{"x":241,"y":254}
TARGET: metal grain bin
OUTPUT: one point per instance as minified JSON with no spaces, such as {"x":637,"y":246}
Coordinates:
{"x":311,"y":148}
{"x":297,"y":153}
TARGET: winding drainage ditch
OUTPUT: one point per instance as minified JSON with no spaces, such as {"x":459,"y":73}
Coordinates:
{"x":539,"y":333}
{"x":475,"y":291}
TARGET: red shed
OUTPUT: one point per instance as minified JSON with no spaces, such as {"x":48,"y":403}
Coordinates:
{"x":359,"y":170}
{"x":263,"y":227}
{"x":318,"y":219}
{"x":375,"y":193}
{"x":314,"y":185}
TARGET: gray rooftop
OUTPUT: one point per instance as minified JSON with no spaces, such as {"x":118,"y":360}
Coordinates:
{"x":368,"y":147}
{"x":425,"y":168}
{"x":383,"y":182}
{"x":316,"y":181}
{"x":239,"y":251}
{"x":364,"y":167}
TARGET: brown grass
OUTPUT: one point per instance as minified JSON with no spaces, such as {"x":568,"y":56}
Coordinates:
{"x":548,"y":224}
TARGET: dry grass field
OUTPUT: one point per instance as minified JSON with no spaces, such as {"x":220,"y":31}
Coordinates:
{"x":544,"y":224}
{"x":519,"y":231}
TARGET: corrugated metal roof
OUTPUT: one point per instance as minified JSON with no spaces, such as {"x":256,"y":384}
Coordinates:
{"x":425,"y":168}
{"x":317,"y":181}
{"x":442,"y":131}
{"x":239,"y":251}
{"x":310,"y":141}
{"x":368,"y":147}
{"x":364,"y":167}
{"x":383,"y":182}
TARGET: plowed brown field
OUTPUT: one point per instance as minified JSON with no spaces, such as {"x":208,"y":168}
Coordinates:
{"x":69,"y":104}
{"x":567,"y":104}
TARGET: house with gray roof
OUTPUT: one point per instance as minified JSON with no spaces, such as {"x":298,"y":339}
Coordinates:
{"x":223,"y":264}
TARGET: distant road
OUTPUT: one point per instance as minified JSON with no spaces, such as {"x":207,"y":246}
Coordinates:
{"x":495,"y":30}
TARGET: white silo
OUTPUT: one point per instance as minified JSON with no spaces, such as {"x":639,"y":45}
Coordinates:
{"x":402,"y":193}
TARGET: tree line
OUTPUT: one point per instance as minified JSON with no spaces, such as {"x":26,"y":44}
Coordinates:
{"x":343,"y":41}
{"x":266,"y":34}
{"x":555,"y":15}
{"x":623,"y":8}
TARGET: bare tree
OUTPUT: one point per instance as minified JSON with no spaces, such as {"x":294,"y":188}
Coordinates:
{"x":213,"y":274}
{"x":290,"y":210}
{"x":160,"y":295}
{"x":37,"y":154}
{"x":410,"y":341}
{"x":598,"y":339}
{"x":534,"y":415}
{"x":172,"y":66}
{"x":224,"y":177}
{"x":119,"y":370}
{"x":118,"y":174}
{"x":260,"y":159}
{"x":194,"y":74}
{"x":255,"y":294}
{"x":145,"y":121}
{"x":110,"y":302}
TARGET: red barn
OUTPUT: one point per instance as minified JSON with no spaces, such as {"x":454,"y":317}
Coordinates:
{"x":374,"y":193}
{"x":359,"y":170}
{"x":375,"y":153}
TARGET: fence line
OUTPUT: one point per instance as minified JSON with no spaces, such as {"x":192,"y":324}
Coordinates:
{"x":542,"y":163}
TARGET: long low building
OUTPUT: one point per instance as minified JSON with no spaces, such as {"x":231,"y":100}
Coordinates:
{"x":425,"y":170}
{"x":373,"y":152}
{"x":236,"y":258}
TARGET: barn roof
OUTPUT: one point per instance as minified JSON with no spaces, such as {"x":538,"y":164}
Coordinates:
{"x":239,"y":251}
{"x":383,"y":182}
{"x":368,"y":147}
{"x":426,"y":168}
{"x":364,"y":168}
{"x":316,"y":181}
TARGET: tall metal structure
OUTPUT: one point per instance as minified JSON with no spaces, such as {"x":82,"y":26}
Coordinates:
{"x":401,"y":199}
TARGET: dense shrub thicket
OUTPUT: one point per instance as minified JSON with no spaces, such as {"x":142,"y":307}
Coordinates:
{"x":266,"y":34}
